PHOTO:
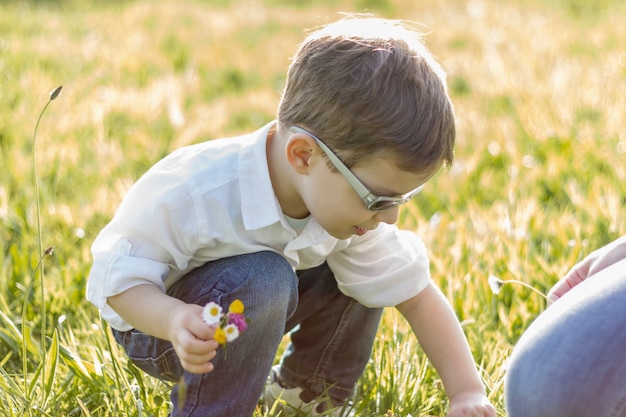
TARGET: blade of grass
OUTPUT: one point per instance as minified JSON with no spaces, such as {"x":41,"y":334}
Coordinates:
{"x":52,"y":360}
{"x":83,"y":408}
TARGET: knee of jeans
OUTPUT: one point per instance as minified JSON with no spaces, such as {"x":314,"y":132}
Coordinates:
{"x":279,"y":284}
{"x":512,"y":395}
{"x":524,"y":383}
{"x":264,"y":281}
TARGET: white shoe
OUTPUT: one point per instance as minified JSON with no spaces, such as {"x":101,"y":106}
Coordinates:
{"x":290,"y":398}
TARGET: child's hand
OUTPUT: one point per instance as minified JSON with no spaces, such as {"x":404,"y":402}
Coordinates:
{"x":192,"y":339}
{"x":592,"y":264}
{"x":470,"y":404}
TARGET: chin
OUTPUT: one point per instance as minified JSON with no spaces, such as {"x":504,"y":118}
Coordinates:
{"x":342,"y":236}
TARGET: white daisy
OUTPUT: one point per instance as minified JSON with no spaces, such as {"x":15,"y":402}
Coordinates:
{"x":212,"y":313}
{"x":495,"y":284}
{"x":232,"y":332}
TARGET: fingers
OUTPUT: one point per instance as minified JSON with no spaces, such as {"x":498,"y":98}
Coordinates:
{"x":607,"y":256}
{"x":574,"y":276}
{"x":195,"y":354}
{"x":572,"y":279}
{"x":595,"y":262}
{"x":193,"y":339}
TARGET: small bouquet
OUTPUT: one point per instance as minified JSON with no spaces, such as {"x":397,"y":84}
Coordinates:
{"x":228,"y":325}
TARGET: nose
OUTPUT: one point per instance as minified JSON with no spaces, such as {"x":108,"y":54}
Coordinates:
{"x":387,"y":216}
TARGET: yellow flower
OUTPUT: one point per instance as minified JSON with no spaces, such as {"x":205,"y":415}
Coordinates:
{"x":220,"y":336}
{"x":236,"y":307}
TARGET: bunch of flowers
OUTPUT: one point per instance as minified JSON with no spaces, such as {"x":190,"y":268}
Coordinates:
{"x":228,"y":325}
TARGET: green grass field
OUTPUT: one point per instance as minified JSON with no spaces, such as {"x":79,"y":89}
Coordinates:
{"x":539,"y":181}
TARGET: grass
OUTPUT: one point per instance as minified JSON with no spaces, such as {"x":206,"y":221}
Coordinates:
{"x":539,"y":179}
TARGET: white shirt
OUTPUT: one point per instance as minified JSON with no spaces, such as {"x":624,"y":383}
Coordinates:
{"x":215,"y":199}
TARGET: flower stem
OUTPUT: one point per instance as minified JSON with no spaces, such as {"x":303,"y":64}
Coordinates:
{"x":39,"y":235}
{"x":40,"y":264}
{"x":530,"y":287}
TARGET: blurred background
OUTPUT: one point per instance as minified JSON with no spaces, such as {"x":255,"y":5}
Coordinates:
{"x":539,"y":89}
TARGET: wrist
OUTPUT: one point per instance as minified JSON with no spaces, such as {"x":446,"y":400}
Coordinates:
{"x":469,"y":393}
{"x":471,"y":403}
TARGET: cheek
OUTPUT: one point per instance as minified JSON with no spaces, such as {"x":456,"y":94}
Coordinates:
{"x":325,"y":204}
{"x":325,"y":193}
{"x":337,"y":212}
{"x":333,"y":203}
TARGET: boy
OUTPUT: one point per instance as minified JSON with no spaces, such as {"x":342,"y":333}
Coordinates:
{"x":297,"y":221}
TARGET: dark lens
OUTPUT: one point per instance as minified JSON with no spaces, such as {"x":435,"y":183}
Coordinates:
{"x":384,"y":205}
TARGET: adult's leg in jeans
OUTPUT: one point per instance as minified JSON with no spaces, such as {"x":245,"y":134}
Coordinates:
{"x":571,"y":362}
{"x":333,"y":343}
{"x":267,"y":285}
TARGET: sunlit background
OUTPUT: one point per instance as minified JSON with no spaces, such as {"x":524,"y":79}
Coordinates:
{"x":539,"y":89}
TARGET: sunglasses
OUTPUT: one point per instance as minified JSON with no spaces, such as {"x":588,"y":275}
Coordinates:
{"x":372,"y":201}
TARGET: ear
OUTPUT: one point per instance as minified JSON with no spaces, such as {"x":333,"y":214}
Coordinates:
{"x":299,"y":150}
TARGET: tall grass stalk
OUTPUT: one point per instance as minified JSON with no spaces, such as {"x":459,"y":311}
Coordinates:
{"x":42,"y":254}
{"x":53,"y":95}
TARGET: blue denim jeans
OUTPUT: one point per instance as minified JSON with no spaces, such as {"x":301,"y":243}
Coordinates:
{"x":331,"y":335}
{"x":571,"y":362}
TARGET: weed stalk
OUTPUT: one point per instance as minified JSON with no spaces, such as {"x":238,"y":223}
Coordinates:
{"x":42,"y":254}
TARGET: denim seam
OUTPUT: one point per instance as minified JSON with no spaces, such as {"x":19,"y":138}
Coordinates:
{"x":328,"y":351}
{"x":196,"y":399}
{"x":620,"y":408}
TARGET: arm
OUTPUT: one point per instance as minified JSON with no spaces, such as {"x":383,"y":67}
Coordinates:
{"x":133,"y":246}
{"x":440,"y":335}
{"x":592,"y":264}
{"x":149,"y":310}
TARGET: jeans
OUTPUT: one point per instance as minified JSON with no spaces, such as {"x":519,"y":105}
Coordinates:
{"x":571,"y":362}
{"x":331,"y":336}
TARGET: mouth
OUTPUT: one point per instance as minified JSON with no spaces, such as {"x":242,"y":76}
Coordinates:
{"x":360,"y":231}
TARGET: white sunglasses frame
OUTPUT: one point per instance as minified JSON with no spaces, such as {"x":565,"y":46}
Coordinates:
{"x":372,"y":201}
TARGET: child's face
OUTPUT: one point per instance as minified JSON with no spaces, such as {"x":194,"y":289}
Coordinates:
{"x":339,"y":209}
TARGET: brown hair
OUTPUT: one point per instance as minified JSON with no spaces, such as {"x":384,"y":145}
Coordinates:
{"x":368,"y":87}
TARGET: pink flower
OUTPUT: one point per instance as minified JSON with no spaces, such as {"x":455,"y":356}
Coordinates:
{"x":238,"y":320}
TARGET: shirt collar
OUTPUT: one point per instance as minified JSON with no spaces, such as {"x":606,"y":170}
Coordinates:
{"x":259,"y":205}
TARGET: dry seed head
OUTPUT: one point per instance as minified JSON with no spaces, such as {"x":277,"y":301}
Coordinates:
{"x":56,"y":92}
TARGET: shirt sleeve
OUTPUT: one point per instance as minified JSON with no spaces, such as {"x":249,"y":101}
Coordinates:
{"x":154,"y":231}
{"x":387,"y":268}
